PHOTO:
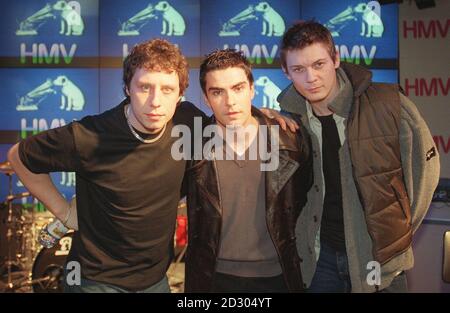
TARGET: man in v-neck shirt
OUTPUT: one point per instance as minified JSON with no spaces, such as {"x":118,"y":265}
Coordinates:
{"x":241,"y":218}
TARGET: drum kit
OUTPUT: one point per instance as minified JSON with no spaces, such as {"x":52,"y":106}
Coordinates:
{"x":25,"y":266}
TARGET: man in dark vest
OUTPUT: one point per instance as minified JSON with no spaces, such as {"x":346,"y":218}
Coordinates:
{"x":375,"y":168}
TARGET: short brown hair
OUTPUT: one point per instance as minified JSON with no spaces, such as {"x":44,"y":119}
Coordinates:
{"x":157,"y":55}
{"x":223,"y":59}
{"x":303,"y":34}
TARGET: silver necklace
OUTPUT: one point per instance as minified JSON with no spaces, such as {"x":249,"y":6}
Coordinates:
{"x":136,"y":135}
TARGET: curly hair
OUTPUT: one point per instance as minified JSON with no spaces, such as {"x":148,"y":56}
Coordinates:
{"x":157,"y":55}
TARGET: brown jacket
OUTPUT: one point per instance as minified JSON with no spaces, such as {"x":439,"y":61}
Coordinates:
{"x":373,"y":136}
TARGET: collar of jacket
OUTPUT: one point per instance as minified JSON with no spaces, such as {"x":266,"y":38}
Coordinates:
{"x":353,"y":81}
{"x":287,"y":143}
{"x":275,"y":180}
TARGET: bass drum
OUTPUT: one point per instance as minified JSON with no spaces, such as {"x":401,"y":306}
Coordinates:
{"x":48,"y":267}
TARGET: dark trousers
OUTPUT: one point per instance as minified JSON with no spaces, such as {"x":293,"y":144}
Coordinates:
{"x":224,"y":283}
{"x":332,"y":274}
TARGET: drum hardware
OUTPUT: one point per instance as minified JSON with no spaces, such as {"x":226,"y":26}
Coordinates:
{"x":22,"y":267}
{"x":48,"y":267}
{"x":14,"y":227}
{"x":18,"y":196}
{"x":6,"y":168}
{"x":49,"y":282}
{"x":47,"y":273}
{"x":12,"y":269}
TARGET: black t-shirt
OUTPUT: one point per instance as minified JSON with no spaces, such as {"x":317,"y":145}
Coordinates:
{"x":332,"y":226}
{"x":127,"y":194}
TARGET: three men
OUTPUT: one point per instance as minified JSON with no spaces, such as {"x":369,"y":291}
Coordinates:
{"x":375,"y":169}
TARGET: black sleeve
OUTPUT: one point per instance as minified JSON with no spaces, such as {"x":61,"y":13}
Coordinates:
{"x":184,"y":184}
{"x":288,"y":114}
{"x":307,"y":152}
{"x":186,"y":112}
{"x":50,"y":151}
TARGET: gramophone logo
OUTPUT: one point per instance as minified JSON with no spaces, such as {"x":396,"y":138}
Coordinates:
{"x":173,"y":23}
{"x":271,"y":21}
{"x":270,"y":92}
{"x":369,"y":14}
{"x":71,"y":97}
{"x":67,"y":12}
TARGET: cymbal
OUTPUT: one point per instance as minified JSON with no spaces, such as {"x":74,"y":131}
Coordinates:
{"x":6,"y":168}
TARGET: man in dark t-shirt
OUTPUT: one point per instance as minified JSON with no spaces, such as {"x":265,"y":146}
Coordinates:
{"x":128,"y":185}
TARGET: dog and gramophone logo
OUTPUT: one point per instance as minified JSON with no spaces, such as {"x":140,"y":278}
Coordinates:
{"x":367,"y":15}
{"x":126,"y":23}
{"x":49,"y":32}
{"x":254,"y":27}
{"x":171,"y":22}
{"x":41,"y":99}
{"x":362,"y":30}
{"x":67,"y":14}
{"x":70,"y":96}
{"x":268,"y":85}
